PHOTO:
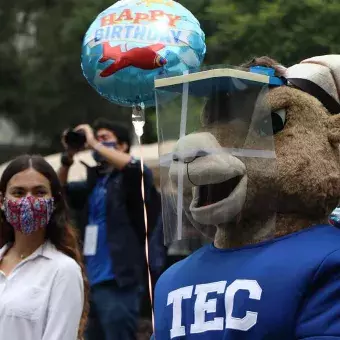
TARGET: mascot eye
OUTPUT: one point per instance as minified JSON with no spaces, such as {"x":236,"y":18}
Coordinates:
{"x":273,"y":124}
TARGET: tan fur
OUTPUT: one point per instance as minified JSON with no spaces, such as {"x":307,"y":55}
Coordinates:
{"x":306,"y":180}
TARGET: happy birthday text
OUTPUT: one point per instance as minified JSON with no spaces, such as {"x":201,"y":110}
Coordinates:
{"x":136,"y":18}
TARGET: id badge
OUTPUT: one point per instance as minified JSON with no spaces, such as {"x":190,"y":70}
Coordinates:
{"x":91,"y":239}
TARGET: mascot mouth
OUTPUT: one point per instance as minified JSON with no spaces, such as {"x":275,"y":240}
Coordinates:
{"x":210,"y":194}
{"x":217,"y":203}
{"x":216,"y":179}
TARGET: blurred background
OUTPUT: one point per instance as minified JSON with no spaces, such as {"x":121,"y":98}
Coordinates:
{"x":43,"y":91}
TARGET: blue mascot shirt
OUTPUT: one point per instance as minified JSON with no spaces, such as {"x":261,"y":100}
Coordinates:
{"x":283,"y":289}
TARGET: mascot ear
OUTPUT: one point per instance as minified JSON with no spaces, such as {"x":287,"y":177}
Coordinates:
{"x":334,"y":129}
{"x":319,"y":77}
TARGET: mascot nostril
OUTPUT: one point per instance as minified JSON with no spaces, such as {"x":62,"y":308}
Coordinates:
{"x":258,"y":171}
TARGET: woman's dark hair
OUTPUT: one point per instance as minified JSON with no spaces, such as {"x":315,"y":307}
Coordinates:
{"x":59,"y":230}
{"x":121,"y":131}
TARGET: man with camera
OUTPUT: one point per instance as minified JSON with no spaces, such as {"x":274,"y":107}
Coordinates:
{"x":109,"y":212}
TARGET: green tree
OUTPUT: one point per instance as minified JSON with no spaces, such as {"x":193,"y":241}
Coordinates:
{"x":11,"y":75}
{"x":287,"y":30}
{"x":59,"y":90}
{"x":42,"y":87}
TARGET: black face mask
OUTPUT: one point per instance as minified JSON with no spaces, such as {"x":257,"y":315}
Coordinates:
{"x":98,"y":157}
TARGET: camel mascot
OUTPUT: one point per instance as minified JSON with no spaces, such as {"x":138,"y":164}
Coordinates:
{"x":260,"y":176}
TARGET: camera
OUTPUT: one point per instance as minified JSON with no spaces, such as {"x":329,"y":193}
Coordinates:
{"x":75,"y":139}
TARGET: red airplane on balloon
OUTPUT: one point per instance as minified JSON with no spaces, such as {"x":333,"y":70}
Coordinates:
{"x":145,"y":58}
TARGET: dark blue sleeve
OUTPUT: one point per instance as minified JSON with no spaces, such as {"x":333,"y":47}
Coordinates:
{"x":133,"y":178}
{"x":157,"y":250}
{"x":320,"y":315}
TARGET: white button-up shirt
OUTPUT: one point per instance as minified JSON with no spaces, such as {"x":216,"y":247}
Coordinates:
{"x":42,"y":298}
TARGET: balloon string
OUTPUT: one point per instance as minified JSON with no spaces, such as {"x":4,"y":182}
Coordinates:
{"x":146,"y":234}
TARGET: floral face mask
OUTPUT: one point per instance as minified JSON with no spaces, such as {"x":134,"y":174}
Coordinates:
{"x":28,"y":214}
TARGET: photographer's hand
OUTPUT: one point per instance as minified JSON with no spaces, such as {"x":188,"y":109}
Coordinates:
{"x":70,"y":152}
{"x":115,"y":157}
{"x":90,"y":138}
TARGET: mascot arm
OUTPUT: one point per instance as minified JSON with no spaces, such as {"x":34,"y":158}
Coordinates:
{"x":320,"y":315}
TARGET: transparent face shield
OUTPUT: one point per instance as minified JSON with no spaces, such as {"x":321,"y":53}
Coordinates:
{"x":221,"y":170}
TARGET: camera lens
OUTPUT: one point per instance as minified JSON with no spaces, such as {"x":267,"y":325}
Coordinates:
{"x":75,"y":139}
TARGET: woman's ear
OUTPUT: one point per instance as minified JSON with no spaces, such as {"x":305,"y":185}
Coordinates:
{"x":333,"y":126}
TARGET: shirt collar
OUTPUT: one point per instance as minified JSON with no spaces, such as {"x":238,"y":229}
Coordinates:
{"x":47,"y":250}
{"x":3,"y":250}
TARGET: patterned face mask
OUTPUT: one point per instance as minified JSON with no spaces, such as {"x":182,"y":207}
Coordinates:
{"x":28,"y":214}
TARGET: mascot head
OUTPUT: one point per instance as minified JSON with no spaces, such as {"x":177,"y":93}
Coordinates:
{"x":265,"y":160}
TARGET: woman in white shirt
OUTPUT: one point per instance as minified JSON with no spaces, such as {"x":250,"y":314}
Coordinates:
{"x":43,"y":289}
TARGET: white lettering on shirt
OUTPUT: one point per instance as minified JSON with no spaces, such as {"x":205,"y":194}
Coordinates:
{"x":175,"y":298}
{"x":250,"y":319}
{"x":204,"y":305}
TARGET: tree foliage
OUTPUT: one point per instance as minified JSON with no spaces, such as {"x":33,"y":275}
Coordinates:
{"x":42,"y":87}
{"x":287,"y":30}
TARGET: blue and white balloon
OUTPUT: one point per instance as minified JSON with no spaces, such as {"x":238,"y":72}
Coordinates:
{"x":134,"y":41}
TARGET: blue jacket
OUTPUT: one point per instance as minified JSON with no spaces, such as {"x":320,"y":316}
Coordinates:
{"x":125,"y":217}
{"x":157,"y":250}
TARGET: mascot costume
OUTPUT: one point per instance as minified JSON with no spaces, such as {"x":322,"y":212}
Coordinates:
{"x":256,"y":169}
